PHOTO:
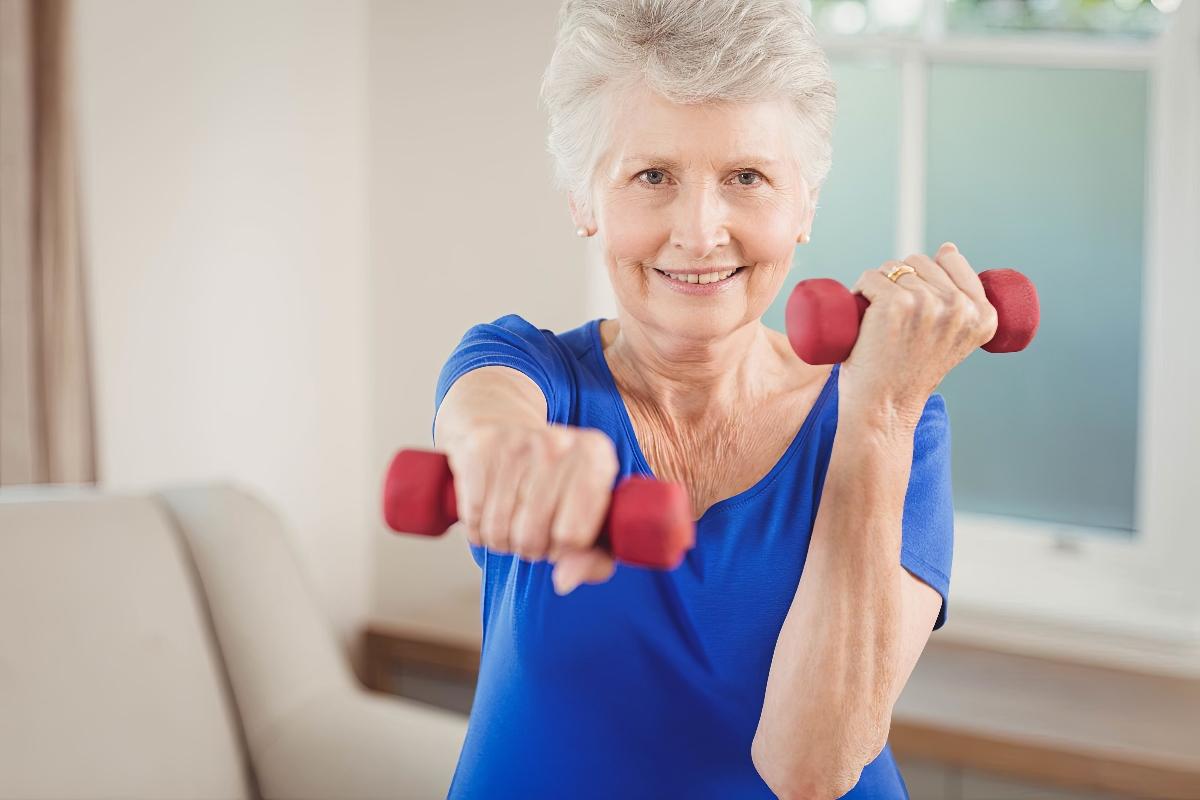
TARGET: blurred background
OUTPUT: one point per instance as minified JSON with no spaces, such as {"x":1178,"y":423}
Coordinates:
{"x":239,"y":239}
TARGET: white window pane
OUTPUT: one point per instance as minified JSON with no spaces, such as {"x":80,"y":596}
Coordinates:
{"x":855,"y":224}
{"x":1044,"y":171}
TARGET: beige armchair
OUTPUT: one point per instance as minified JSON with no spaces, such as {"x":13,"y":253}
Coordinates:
{"x":167,"y":645}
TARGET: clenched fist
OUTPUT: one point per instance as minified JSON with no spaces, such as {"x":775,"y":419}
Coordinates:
{"x":539,"y":492}
{"x":914,"y":332}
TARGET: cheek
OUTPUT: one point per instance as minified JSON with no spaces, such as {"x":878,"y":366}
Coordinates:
{"x":767,"y":239}
{"x":632,"y":235}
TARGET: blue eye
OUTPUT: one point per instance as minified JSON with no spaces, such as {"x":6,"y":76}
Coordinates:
{"x":657,"y":177}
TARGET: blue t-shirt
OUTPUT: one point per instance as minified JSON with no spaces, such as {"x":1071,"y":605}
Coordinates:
{"x":651,"y":685}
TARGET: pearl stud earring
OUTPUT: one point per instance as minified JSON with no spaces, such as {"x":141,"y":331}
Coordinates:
{"x":804,"y":238}
{"x":581,"y":232}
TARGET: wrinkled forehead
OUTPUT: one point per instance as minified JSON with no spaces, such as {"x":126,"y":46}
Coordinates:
{"x":647,"y":129}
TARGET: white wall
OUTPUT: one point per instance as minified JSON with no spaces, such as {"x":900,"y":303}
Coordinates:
{"x":292,"y":212}
{"x":223,"y":149}
{"x":466,"y":227}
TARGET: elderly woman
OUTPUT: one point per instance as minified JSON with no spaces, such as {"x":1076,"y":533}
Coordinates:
{"x":692,"y":137}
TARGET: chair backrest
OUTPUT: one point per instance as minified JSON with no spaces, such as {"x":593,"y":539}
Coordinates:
{"x":110,"y":681}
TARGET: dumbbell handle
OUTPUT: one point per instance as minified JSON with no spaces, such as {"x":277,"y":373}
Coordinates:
{"x":648,"y":523}
{"x":823,"y":318}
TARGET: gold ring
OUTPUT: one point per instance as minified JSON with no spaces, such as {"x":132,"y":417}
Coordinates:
{"x":899,"y":271}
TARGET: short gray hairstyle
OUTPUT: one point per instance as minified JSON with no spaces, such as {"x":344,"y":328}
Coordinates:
{"x":688,"y":51}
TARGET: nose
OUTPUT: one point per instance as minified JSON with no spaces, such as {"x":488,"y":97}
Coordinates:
{"x":700,"y":224}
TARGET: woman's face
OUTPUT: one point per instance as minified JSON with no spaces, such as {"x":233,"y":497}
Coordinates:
{"x":699,"y":191}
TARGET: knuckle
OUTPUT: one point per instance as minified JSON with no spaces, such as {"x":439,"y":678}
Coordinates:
{"x":572,"y":533}
{"x":988,"y":324}
{"x":967,"y":314}
{"x":577,"y":524}
{"x":527,"y":544}
{"x":951,"y":313}
{"x":602,"y":450}
{"x":536,"y":448}
{"x":548,"y":446}
{"x":529,"y":530}
{"x":964,"y":312}
{"x":497,"y":537}
{"x":496,"y":545}
{"x":557,"y":438}
{"x":517,"y":543}
{"x":471,"y":512}
{"x":521,"y":445}
{"x":492,"y":526}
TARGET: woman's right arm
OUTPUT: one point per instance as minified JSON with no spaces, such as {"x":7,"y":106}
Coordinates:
{"x":523,"y":486}
{"x":488,"y":395}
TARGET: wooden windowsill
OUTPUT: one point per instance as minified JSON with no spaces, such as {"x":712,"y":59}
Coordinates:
{"x":1072,"y":725}
{"x":1078,"y":726}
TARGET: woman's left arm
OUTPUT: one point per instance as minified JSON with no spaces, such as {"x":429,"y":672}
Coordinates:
{"x":856,"y":626}
{"x":859,"y":620}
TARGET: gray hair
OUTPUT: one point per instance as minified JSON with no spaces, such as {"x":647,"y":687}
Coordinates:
{"x":688,"y":51}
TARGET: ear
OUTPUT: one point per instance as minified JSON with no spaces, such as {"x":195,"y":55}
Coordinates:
{"x":806,"y":221}
{"x":581,"y":217}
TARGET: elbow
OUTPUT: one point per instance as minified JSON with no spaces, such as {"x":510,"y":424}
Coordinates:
{"x":820,"y":774}
{"x":822,"y":785}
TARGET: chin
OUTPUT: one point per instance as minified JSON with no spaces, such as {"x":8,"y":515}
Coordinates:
{"x":699,"y":322}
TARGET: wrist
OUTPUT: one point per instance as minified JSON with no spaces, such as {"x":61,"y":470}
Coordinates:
{"x":882,"y":424}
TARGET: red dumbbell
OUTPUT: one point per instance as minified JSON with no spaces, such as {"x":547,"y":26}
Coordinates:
{"x":823,"y":317}
{"x":649,"y":522}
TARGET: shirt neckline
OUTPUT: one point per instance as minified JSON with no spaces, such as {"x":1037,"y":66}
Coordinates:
{"x":727,"y":503}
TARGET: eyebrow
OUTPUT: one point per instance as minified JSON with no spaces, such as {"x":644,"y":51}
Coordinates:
{"x":671,"y":163}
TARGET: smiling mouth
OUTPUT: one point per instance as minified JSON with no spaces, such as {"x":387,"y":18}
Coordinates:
{"x":706,"y":277}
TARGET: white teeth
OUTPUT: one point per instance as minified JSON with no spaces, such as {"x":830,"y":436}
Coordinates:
{"x":708,"y":277}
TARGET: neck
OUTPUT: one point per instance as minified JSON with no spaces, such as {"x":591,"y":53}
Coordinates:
{"x":691,"y":378}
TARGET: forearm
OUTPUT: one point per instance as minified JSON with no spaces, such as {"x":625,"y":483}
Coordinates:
{"x":830,"y":691}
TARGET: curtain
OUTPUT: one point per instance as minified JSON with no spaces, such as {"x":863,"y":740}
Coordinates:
{"x":46,"y":410}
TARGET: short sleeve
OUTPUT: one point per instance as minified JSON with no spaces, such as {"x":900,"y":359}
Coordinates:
{"x":928,"y":528}
{"x":513,"y":342}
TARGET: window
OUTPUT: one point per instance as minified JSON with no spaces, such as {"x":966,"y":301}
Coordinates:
{"x":1037,"y":136}
{"x":1044,"y":170}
